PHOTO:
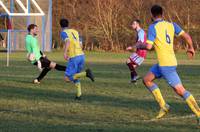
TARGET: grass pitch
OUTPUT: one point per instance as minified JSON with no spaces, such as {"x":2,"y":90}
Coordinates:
{"x":109,"y":104}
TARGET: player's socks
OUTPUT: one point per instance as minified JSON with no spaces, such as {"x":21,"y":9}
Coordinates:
{"x":132,"y":69}
{"x":79,"y":75}
{"x":78,"y":88}
{"x":164,"y":108}
{"x":190,"y":100}
{"x":43,"y":73}
{"x":60,"y":67}
{"x":157,"y":95}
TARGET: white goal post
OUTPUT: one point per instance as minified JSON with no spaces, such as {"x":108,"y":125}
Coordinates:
{"x":25,"y":7}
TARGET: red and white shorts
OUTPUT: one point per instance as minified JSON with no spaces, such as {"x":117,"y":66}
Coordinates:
{"x":136,"y":59}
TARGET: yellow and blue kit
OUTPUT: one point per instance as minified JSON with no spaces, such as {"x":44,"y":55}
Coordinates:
{"x":75,"y":53}
{"x":161,"y":35}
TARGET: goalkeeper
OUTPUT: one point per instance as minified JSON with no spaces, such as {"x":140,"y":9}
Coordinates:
{"x":36,"y":57}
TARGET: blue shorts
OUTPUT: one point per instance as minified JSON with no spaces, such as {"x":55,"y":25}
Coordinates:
{"x":74,"y":65}
{"x":168,"y":73}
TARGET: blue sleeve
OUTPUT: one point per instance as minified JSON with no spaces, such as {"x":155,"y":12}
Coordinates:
{"x":177,"y":29}
{"x":151,"y":36}
{"x":64,"y":36}
{"x":141,"y":35}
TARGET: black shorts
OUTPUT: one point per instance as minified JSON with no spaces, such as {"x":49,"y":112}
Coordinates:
{"x":45,"y":62}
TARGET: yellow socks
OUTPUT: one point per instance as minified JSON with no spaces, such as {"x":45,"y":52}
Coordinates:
{"x":193,"y":105}
{"x":79,"y":75}
{"x":78,"y":87}
{"x":158,"y":97}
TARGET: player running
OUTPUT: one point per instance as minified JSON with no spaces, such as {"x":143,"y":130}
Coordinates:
{"x":161,"y":36}
{"x":73,"y":53}
{"x":36,"y":56}
{"x":138,"y":57}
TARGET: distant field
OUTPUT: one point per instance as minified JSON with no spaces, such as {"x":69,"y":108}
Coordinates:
{"x":109,"y":104}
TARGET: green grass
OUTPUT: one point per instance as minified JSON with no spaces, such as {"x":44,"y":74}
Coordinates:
{"x":109,"y":104}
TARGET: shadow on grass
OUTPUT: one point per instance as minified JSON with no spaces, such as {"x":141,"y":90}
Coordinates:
{"x":34,"y":94}
{"x":35,"y":126}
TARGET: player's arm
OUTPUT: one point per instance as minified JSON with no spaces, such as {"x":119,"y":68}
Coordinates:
{"x":140,"y":42}
{"x":66,"y":47}
{"x":150,"y":40}
{"x":34,"y":47}
{"x":130,"y":48}
{"x":145,"y":46}
{"x":65,"y":38}
{"x":81,"y":41}
{"x":27,"y":46}
{"x":187,"y":38}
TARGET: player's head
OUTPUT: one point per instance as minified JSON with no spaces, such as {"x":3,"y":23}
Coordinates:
{"x":32,"y":29}
{"x":136,"y":24}
{"x":156,"y":11}
{"x":64,"y":23}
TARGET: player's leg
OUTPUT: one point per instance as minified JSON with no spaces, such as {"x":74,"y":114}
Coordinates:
{"x":133,"y":62}
{"x":190,"y":100}
{"x":41,"y":76}
{"x":87,"y":73}
{"x":153,"y":88}
{"x":70,"y":71}
{"x":131,"y":67}
{"x":175,"y":82}
{"x":56,"y":66}
{"x":80,"y":62}
{"x":45,"y":64}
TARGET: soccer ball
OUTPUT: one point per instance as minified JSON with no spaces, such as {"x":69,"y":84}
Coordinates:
{"x":30,"y":56}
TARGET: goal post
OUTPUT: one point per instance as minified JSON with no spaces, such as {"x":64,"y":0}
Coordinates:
{"x":38,"y":12}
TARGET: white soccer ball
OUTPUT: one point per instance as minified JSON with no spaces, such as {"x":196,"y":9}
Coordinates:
{"x":31,"y":57}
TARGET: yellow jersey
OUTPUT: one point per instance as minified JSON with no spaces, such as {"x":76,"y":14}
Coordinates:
{"x":161,"y":35}
{"x":75,"y":48}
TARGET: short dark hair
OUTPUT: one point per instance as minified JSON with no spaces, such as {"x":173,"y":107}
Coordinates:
{"x":137,"y":20}
{"x":64,"y":23}
{"x":31,"y":26}
{"x":156,"y":10}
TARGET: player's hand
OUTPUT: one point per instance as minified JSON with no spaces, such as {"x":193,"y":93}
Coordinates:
{"x":129,"y":48}
{"x":138,"y":44}
{"x":44,"y":56}
{"x":190,"y":53}
{"x":66,"y":57}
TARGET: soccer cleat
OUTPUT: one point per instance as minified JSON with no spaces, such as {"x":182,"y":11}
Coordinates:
{"x":78,"y":98}
{"x":134,"y":80}
{"x":163,"y":111}
{"x":35,"y":81}
{"x":89,"y":74}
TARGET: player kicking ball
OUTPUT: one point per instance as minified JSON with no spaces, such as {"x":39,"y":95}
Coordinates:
{"x":36,"y":57}
{"x":137,"y":57}
{"x":74,"y":54}
{"x":161,"y":35}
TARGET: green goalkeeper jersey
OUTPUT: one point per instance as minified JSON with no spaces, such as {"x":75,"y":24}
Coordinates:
{"x":33,"y":47}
